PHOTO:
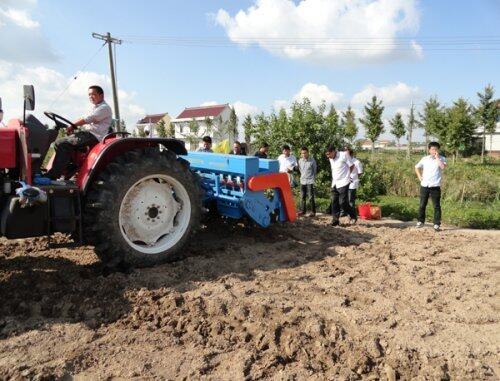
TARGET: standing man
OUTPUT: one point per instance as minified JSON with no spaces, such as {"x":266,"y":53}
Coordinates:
{"x":355,"y":174}
{"x":342,"y":167}
{"x":262,"y":152}
{"x":288,"y":163}
{"x":308,"y":170}
{"x":206,"y":145}
{"x":97,"y":126}
{"x":428,"y":171}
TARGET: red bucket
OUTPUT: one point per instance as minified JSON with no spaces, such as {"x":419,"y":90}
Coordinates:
{"x":364,"y":211}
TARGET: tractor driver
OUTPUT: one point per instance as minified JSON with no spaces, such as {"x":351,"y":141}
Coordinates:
{"x":97,"y":125}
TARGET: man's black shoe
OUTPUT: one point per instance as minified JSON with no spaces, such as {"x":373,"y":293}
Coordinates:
{"x":335,"y":223}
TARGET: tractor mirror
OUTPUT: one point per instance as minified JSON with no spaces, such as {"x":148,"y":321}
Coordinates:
{"x":29,"y":97}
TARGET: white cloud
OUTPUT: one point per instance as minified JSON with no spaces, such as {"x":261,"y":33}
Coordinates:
{"x":22,"y":39}
{"x":281,"y":104}
{"x":317,"y":94}
{"x":326,"y":31}
{"x":243,"y":109}
{"x":49,"y":87}
{"x":19,"y":17}
{"x":209,"y":103}
{"x":398,"y":94}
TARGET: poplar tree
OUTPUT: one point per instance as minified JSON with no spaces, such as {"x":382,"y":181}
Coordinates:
{"x":398,"y":128}
{"x":487,"y":114}
{"x":248,"y":129}
{"x":348,"y":124}
{"x":410,"y":126}
{"x":461,"y":127}
{"x":433,"y":120}
{"x":233,"y":125}
{"x":372,"y":120}
{"x":161,"y":129}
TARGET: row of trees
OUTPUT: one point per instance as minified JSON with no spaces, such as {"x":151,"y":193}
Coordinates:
{"x":455,"y":127}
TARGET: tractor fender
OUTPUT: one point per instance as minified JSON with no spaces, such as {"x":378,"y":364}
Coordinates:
{"x":105,"y":151}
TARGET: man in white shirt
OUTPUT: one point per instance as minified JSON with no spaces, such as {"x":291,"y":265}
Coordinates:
{"x":428,"y":171}
{"x":355,"y":174}
{"x":288,"y":162}
{"x":342,"y":166}
{"x":95,"y":127}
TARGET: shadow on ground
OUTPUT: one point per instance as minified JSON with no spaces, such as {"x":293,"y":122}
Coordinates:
{"x":46,"y":287}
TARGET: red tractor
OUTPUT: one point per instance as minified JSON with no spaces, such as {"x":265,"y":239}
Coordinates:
{"x":135,"y":199}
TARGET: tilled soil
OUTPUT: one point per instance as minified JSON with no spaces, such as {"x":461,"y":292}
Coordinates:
{"x":296,"y":301}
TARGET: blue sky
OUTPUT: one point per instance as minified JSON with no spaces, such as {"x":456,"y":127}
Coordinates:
{"x":160,"y":78}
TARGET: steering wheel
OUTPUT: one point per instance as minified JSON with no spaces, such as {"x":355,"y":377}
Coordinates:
{"x":60,"y":121}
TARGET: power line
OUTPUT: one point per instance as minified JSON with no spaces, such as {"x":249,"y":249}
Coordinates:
{"x":450,"y":43}
{"x":75,"y":77}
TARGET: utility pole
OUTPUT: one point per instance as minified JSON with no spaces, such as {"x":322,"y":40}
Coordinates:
{"x":410,"y":125}
{"x":110,"y":40}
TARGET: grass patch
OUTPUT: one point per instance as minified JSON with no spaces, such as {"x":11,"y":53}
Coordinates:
{"x":470,"y":214}
{"x":474,"y":215}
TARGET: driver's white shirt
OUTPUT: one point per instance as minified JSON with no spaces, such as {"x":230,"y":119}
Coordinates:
{"x":99,"y":121}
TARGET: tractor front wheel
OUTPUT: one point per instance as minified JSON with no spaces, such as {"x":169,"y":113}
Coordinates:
{"x":142,"y":209}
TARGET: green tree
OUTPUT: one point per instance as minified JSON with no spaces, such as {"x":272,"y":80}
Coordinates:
{"x":141,"y":132}
{"x":170,"y":133}
{"x":433,"y":120}
{"x":209,"y":126}
{"x":410,"y":127}
{"x":486,"y":114}
{"x":192,"y":135}
{"x":233,"y":125}
{"x":161,"y":129}
{"x":461,"y":127}
{"x":372,"y":120}
{"x":398,"y":128}
{"x":348,"y":124}
{"x":248,"y":129}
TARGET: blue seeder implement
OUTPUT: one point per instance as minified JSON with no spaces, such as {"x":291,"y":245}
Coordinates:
{"x":237,"y":185}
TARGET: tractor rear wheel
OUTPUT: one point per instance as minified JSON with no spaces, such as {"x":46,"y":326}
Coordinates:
{"x":142,"y":209}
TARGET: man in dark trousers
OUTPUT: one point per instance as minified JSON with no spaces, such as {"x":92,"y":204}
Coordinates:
{"x":95,"y":127}
{"x":308,"y":170}
{"x":342,"y":166}
{"x":428,"y":171}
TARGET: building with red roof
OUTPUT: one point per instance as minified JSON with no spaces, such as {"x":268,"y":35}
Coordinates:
{"x":149,"y":123}
{"x":191,"y":124}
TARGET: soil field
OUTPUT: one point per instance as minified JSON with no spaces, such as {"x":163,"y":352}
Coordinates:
{"x":301,"y":301}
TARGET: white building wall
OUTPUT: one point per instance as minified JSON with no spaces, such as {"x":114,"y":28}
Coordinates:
{"x":181,"y":128}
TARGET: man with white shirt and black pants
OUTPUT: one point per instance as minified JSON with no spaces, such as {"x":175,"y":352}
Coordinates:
{"x":428,"y":171}
{"x":342,"y":166}
{"x":95,"y":127}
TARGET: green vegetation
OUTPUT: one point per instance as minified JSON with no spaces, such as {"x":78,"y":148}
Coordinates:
{"x":474,"y":215}
{"x":471,"y":214}
{"x":464,"y":181}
